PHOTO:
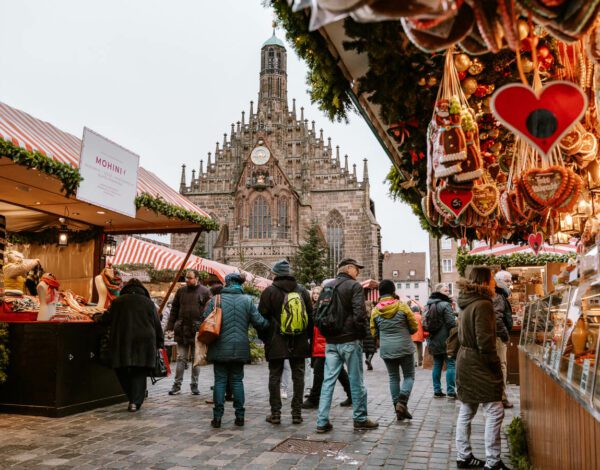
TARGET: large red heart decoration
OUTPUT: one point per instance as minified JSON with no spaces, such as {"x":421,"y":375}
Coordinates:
{"x":542,"y":120}
{"x":536,"y":240}
{"x":454,"y":201}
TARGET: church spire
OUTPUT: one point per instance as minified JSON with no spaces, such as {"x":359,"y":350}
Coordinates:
{"x":209,"y":162}
{"x":337,"y":155}
{"x":272,"y":94}
{"x":346,"y":164}
{"x":182,"y":183}
{"x":365,"y":171}
{"x":354,"y":171}
{"x":201,"y":169}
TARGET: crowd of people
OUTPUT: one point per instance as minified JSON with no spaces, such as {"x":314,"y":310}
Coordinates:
{"x":338,"y":331}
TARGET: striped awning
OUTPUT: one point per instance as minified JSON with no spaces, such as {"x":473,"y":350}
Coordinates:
{"x":136,"y":251}
{"x":500,"y":249}
{"x":34,"y":134}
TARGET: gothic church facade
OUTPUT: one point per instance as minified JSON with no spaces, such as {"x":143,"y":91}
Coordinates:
{"x":272,"y":177}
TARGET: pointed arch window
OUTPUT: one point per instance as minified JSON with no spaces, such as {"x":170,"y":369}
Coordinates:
{"x":335,"y":239}
{"x":260,"y":219}
{"x":283,"y":228}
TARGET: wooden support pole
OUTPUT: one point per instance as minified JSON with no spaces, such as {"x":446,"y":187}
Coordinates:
{"x":181,"y":268}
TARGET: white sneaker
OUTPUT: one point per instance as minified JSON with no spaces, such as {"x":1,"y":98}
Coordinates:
{"x":283,"y":394}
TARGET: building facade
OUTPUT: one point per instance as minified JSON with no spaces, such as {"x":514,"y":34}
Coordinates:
{"x":407,"y":271}
{"x":272,"y":177}
{"x":442,"y":259}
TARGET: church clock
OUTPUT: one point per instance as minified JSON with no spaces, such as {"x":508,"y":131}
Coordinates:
{"x":260,"y":155}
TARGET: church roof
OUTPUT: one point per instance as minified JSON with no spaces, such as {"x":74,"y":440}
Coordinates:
{"x":273,"y":41}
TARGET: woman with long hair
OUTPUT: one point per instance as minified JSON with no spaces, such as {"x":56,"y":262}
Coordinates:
{"x":478,"y":371}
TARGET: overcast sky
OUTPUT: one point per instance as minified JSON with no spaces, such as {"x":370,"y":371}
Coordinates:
{"x":166,"y":79}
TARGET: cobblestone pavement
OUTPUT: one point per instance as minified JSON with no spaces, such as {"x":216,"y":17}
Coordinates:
{"x":175,"y":433}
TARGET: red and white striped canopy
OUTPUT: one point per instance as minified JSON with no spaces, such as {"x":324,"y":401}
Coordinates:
{"x":500,"y":249}
{"x":34,"y":134}
{"x":136,"y":251}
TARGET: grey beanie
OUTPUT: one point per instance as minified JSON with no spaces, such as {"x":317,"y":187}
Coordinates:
{"x":282,"y":268}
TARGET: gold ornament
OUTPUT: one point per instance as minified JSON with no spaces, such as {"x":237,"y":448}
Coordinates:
{"x":462,"y":62}
{"x":432,"y":81}
{"x":527,"y":65}
{"x":494,"y":133}
{"x":469,"y":85}
{"x":496,"y":148}
{"x":422,"y":81}
{"x":523,"y":29}
{"x":476,"y":67}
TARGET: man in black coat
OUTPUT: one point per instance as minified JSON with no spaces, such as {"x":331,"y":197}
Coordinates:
{"x":279,"y":346}
{"x":184,"y":319}
{"x":345,"y":347}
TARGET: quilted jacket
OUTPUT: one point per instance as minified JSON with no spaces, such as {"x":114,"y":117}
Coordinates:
{"x":238,"y":312}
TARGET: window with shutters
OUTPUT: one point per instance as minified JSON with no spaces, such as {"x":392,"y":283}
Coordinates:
{"x":260,"y":219}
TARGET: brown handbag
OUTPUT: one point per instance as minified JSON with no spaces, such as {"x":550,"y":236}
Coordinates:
{"x":210,"y":329}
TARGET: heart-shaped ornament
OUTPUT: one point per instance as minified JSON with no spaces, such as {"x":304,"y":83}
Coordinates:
{"x":536,"y":240}
{"x":485,"y":199}
{"x":546,"y":186}
{"x":454,"y":201}
{"x":541,"y":119}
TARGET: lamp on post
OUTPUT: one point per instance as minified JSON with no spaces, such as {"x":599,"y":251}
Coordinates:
{"x":109,"y":247}
{"x":63,"y":233}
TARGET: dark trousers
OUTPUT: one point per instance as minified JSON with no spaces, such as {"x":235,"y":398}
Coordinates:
{"x":232,"y":372}
{"x":133,"y":382}
{"x":318,"y":365}
{"x":275,"y":371}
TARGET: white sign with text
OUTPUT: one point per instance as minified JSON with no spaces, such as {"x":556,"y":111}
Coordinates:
{"x":109,"y":172}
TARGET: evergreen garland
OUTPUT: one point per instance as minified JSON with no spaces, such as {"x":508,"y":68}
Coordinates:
{"x":464,"y":259}
{"x":328,"y":87}
{"x":4,"y":352}
{"x":50,"y":236}
{"x":159,"y":206}
{"x":311,"y":263}
{"x":68,"y":176}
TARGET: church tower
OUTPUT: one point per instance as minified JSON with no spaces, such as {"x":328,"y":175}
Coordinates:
{"x":272,"y":94}
{"x":272,"y":177}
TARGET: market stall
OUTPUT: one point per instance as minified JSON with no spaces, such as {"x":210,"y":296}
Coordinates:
{"x":488,"y":112}
{"x":61,"y":241}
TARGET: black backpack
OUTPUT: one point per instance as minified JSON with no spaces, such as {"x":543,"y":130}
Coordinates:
{"x":329,"y":317}
{"x":433,"y":320}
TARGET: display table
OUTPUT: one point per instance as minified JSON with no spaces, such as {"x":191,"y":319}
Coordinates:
{"x":54,"y":370}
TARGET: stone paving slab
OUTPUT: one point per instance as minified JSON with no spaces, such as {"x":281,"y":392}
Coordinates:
{"x":173,"y":432}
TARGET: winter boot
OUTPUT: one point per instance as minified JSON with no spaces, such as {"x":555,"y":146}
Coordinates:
{"x":274,"y":418}
{"x":404,"y":400}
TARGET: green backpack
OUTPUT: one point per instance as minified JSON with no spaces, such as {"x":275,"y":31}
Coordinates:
{"x":294,"y":319}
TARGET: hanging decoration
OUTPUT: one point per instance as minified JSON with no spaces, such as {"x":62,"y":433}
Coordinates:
{"x":543,"y":118}
{"x":536,"y":241}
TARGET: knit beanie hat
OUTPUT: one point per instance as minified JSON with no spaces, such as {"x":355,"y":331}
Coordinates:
{"x":386,"y":287}
{"x":282,"y":268}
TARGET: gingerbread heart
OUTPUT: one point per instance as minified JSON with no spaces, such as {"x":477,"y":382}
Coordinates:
{"x":547,"y":186}
{"x":541,"y":119}
{"x":454,"y":201}
{"x":485,"y":199}
{"x":536,"y":241}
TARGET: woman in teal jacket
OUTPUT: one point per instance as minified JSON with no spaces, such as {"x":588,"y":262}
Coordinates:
{"x":393,"y":322}
{"x":231,"y":350}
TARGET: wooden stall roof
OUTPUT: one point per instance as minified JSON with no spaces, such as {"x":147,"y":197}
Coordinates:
{"x":30,"y":188}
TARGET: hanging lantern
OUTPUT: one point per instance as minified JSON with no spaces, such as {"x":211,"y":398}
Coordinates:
{"x":110,"y":246}
{"x":63,"y":233}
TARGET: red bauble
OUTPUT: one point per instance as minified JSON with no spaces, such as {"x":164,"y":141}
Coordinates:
{"x":462,"y":75}
{"x":481,"y":91}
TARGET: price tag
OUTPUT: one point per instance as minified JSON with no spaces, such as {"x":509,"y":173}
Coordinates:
{"x":570,"y":369}
{"x":585,"y":373}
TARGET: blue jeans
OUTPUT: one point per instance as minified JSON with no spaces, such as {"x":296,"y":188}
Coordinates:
{"x":335,"y":357}
{"x":234,"y":372}
{"x":407,"y":363}
{"x":436,"y":373}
